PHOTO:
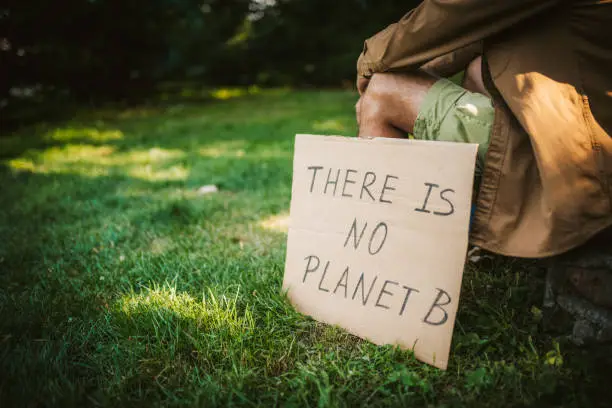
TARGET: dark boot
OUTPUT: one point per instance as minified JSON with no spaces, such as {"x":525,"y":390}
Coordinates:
{"x":579,"y":291}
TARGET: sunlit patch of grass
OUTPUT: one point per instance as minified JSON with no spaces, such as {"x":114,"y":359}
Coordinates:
{"x":22,"y":165}
{"x":219,"y":149}
{"x":278,"y":222}
{"x":66,"y":159}
{"x":209,"y":312}
{"x":84,"y":134}
{"x":174,"y":173}
{"x":230,"y":93}
{"x":89,"y":160}
{"x":75,"y":153}
{"x":330,"y":125}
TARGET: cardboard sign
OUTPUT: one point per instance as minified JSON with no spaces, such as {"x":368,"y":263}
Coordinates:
{"x":378,"y":236}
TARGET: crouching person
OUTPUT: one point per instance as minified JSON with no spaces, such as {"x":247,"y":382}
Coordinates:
{"x":536,"y":96}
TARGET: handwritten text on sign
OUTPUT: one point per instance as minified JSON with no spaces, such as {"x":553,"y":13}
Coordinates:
{"x":377,"y":238}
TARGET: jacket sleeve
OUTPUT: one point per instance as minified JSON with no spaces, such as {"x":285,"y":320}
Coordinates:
{"x":438,"y":27}
{"x":455,"y":61}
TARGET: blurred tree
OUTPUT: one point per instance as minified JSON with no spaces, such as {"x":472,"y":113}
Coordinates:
{"x":95,"y":47}
{"x":90,"y":49}
{"x":316,"y":42}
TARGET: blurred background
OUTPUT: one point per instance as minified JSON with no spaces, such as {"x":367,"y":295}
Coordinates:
{"x":90,"y":51}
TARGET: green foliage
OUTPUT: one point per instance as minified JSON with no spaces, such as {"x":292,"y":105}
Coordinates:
{"x":120,"y":49}
{"x":120,"y":285}
{"x":315,"y":42}
{"x":112,"y":47}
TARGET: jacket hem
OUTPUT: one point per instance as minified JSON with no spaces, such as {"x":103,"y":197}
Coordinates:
{"x":367,"y":69}
{"x":498,"y":249}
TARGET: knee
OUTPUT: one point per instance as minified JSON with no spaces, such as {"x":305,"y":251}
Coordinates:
{"x":368,"y":108}
{"x":395,"y":98}
{"x":378,"y":97}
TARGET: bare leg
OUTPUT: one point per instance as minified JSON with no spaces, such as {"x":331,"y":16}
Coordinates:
{"x":391,"y":104}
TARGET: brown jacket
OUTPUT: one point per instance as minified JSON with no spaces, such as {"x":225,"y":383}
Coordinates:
{"x":547,"y":181}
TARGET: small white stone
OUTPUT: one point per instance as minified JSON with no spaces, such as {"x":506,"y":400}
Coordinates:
{"x":209,"y":189}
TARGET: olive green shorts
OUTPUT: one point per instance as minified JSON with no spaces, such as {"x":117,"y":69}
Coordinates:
{"x":450,"y":113}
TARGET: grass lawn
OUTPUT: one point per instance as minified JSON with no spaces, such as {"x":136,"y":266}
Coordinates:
{"x":120,"y":285}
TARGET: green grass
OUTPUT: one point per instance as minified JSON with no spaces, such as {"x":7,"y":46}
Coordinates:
{"x":121,"y":286}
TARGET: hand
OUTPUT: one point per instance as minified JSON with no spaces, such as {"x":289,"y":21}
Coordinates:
{"x":362,"y":84}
